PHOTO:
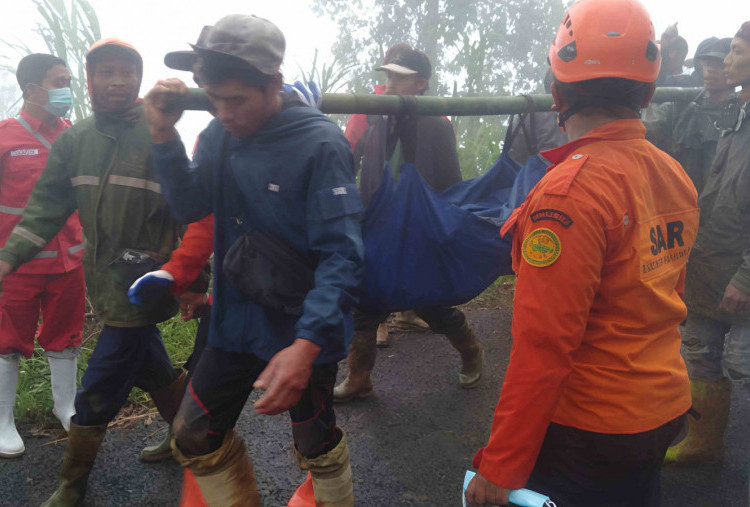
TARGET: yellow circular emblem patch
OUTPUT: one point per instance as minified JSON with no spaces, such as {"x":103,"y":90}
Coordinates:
{"x":541,"y":248}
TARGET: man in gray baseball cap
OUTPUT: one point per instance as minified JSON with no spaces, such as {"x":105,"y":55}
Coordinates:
{"x":238,"y":38}
{"x":272,"y":171}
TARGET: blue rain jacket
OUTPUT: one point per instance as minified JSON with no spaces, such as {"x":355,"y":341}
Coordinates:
{"x":296,"y":176}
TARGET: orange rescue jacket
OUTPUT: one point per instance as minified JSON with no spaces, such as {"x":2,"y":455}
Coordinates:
{"x":599,"y":249}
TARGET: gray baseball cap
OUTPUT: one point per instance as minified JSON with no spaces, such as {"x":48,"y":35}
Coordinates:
{"x":245,"y":40}
{"x":184,"y":60}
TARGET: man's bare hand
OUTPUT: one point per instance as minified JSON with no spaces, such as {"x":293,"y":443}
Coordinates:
{"x":161,"y":115}
{"x":481,"y":493}
{"x":191,"y":305}
{"x":5,"y":269}
{"x":734,"y":300}
{"x":286,"y":377}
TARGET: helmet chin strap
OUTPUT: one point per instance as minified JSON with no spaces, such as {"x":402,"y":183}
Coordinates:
{"x":563,"y":116}
{"x":604,"y":103}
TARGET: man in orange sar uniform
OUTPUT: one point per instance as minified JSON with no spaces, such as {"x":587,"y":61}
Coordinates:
{"x":596,"y":389}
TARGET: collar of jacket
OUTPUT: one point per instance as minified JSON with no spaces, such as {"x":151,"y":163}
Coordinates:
{"x":131,"y":115}
{"x":618,"y":130}
{"x":293,"y":115}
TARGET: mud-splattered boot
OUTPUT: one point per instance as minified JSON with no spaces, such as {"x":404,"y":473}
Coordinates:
{"x":331,"y":476}
{"x":80,"y":453}
{"x":357,"y":383}
{"x":225,"y":476}
{"x":160,"y":451}
{"x":472,"y":356}
{"x":704,"y":443}
{"x":167,"y":401}
{"x":382,"y":339}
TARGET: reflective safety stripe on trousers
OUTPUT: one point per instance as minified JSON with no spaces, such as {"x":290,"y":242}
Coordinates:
{"x":114,"y":179}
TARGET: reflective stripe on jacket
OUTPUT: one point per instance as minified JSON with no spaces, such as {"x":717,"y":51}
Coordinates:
{"x":102,"y":167}
{"x":22,"y":159}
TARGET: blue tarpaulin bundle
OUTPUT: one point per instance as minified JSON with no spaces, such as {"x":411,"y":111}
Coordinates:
{"x":426,"y":249}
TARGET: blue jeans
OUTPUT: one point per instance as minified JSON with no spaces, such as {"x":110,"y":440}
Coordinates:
{"x":124,"y":357}
{"x":713,"y":349}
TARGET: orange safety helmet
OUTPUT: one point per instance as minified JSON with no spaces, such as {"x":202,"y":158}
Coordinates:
{"x":605,"y":39}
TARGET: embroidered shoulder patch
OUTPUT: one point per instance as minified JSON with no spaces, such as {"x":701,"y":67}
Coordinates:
{"x":552,"y":214}
{"x":541,"y":248}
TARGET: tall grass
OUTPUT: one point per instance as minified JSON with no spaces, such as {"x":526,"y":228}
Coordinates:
{"x":68,"y":28}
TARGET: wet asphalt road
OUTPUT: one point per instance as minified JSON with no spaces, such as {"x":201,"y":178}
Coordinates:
{"x":410,"y":443}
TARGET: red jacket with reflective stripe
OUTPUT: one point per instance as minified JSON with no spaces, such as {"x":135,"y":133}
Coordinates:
{"x":22,"y":160}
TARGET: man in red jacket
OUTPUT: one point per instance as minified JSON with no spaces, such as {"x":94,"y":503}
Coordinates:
{"x":596,"y":389}
{"x":52,"y":283}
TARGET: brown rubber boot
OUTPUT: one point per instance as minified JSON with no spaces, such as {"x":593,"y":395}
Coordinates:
{"x":361,"y":360}
{"x":168,"y":399}
{"x":83,"y":445}
{"x":331,"y":475}
{"x":410,"y":322}
{"x":704,"y":443}
{"x":382,"y":335}
{"x":472,"y":356}
{"x":225,"y":476}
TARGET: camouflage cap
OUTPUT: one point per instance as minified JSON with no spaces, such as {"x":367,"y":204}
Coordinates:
{"x":184,"y":60}
{"x":241,"y":40}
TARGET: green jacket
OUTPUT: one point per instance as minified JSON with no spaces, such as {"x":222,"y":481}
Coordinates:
{"x":102,"y":167}
{"x":689,"y":132}
{"x":721,"y":254}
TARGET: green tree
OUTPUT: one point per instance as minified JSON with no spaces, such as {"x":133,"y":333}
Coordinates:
{"x":330,"y":77}
{"x":479,"y":47}
{"x":68,"y":28}
{"x":8,"y":96}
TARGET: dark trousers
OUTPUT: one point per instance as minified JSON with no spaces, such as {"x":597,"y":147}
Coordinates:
{"x":201,"y":340}
{"x":577,"y":468}
{"x":218,"y":391}
{"x":124,"y":357}
{"x":441,"y":319}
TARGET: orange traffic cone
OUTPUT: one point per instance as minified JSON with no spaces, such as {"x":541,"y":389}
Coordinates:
{"x":304,"y":496}
{"x":191,"y":495}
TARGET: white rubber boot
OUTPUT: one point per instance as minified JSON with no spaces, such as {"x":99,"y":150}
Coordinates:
{"x":11,"y":444}
{"x":63,"y":367}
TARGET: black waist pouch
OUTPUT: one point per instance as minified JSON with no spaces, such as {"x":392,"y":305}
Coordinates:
{"x":269,"y":272}
{"x":131,"y":264}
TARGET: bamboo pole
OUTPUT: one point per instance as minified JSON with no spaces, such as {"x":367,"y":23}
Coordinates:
{"x":350,"y":103}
